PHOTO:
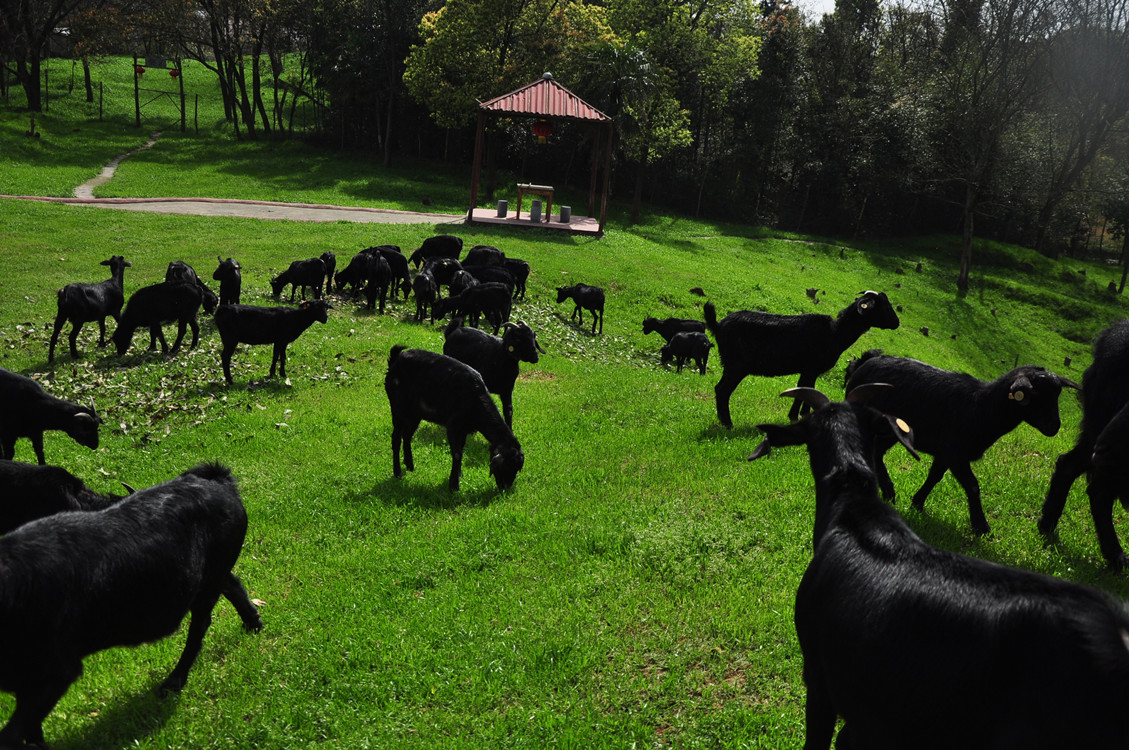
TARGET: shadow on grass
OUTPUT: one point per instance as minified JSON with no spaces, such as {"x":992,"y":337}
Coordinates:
{"x":125,"y":723}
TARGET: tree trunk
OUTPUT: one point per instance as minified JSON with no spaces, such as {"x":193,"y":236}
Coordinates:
{"x":1124,"y":262}
{"x":966,"y":239}
{"x":637,"y":198}
{"x":86,"y":80}
{"x":27,"y":73}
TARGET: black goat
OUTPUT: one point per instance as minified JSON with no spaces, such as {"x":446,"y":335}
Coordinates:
{"x":496,"y":274}
{"x":956,"y":417}
{"x":496,"y":359}
{"x":301,"y":273}
{"x":397,"y":263}
{"x":330,"y":261}
{"x":90,"y":303}
{"x":760,"y":343}
{"x":667,"y":327}
{"x":380,"y":277}
{"x":443,"y":245}
{"x":81,"y":582}
{"x":28,"y":492}
{"x":150,"y":306}
{"x":492,"y":300}
{"x":229,"y":276}
{"x":586,"y":298}
{"x":917,"y":647}
{"x":687,"y":345}
{"x":1098,"y":450}
{"x":519,"y":269}
{"x":357,"y":273}
{"x":484,"y":255}
{"x":26,"y":410}
{"x":461,"y":281}
{"x":250,"y":324}
{"x":178,"y":270}
{"x":425,"y":385}
{"x":442,"y":269}
{"x":427,"y":292}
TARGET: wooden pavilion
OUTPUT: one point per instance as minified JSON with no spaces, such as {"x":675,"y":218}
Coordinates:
{"x":545,"y":100}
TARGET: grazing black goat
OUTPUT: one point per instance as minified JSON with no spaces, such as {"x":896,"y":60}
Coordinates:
{"x":495,"y":359}
{"x":427,"y":292}
{"x":917,"y":647}
{"x":760,"y":343}
{"x":90,"y":303}
{"x":178,"y":270}
{"x":301,"y":273}
{"x":484,"y":255}
{"x":519,"y":269}
{"x":461,"y":281}
{"x":150,"y":306}
{"x":443,"y":245}
{"x":398,"y":264}
{"x":495,"y":274}
{"x":425,"y":385}
{"x":687,"y":345}
{"x":956,"y":417}
{"x":489,"y":299}
{"x":81,"y":582}
{"x":442,"y":269}
{"x":229,"y":276}
{"x":1098,"y":450}
{"x":586,"y":298}
{"x":251,"y":324}
{"x":26,"y":410}
{"x":357,"y":273}
{"x":667,"y":327}
{"x":28,"y":492}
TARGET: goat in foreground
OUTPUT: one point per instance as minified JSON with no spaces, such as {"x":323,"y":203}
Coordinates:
{"x":90,"y":303}
{"x":251,"y":324}
{"x":1101,"y":445}
{"x":496,"y":359}
{"x":28,"y":492}
{"x":26,"y":410}
{"x":917,"y":647}
{"x":425,"y":385}
{"x":77,"y":583}
{"x":760,"y":343}
{"x":957,"y":417}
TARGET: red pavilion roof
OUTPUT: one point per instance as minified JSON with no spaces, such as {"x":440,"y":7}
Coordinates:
{"x":544,"y":98}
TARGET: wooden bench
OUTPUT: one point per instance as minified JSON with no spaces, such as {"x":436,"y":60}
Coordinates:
{"x":543,"y":190}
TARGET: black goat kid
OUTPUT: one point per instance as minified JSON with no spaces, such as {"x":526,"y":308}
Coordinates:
{"x":251,"y":324}
{"x":586,"y":298}
{"x":496,"y":359}
{"x":90,"y":303}
{"x":26,"y":410}
{"x":917,"y":647}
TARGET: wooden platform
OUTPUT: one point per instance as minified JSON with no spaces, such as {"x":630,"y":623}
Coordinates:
{"x":577,"y":224}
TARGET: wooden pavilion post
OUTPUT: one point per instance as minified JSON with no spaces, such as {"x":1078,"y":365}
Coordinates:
{"x":607,"y":180}
{"x":478,"y":141}
{"x":595,"y":170}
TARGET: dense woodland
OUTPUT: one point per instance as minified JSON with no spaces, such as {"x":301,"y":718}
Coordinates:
{"x":995,"y":118}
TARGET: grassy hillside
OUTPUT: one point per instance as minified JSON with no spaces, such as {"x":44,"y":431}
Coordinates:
{"x":635,"y":586}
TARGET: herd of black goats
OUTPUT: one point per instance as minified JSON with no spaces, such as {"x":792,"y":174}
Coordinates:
{"x":911,"y":645}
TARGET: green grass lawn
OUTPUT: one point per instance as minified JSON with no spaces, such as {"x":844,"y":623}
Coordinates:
{"x":633,"y":589}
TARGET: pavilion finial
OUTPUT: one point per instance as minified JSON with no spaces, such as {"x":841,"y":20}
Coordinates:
{"x":547,"y":76}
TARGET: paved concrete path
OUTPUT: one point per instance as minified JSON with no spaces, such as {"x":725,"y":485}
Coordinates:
{"x":84,"y":196}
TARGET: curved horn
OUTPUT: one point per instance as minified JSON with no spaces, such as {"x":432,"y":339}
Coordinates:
{"x":131,"y":490}
{"x":863,"y":394}
{"x":810,"y":396}
{"x":1068,"y":383}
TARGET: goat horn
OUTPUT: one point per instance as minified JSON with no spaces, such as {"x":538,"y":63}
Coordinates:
{"x":810,"y":396}
{"x":1068,"y":383}
{"x":84,"y":415}
{"x":131,"y":490}
{"x":862,"y":394}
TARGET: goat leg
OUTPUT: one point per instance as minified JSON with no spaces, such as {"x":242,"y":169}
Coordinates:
{"x":964,"y":475}
{"x":1068,"y":468}
{"x":201,"y":620}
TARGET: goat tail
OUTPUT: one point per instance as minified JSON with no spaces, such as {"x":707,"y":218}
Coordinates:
{"x":212,"y":471}
{"x":711,"y":318}
{"x":395,"y":353}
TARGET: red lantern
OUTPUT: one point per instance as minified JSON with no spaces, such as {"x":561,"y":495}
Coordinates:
{"x":174,"y":72}
{"x":542,"y":129}
{"x":139,"y":70}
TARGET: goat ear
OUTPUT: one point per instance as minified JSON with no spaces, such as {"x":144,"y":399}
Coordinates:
{"x":810,"y":396}
{"x":1021,"y":390}
{"x":902,"y":432}
{"x":779,"y":435}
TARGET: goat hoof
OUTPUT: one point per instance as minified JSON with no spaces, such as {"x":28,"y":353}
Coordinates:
{"x":981,"y":528}
{"x":1046,"y":526}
